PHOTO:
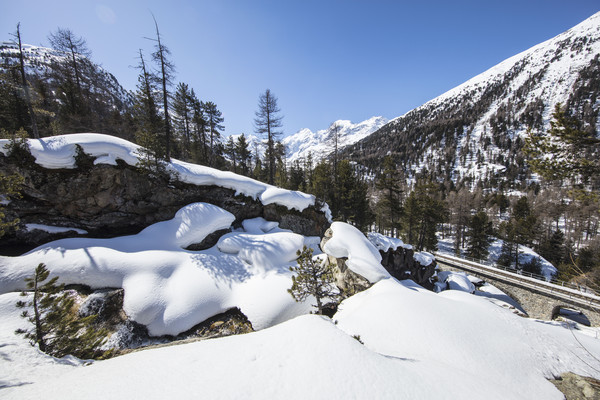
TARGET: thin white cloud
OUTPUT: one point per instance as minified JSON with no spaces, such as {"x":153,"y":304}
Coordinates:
{"x":106,"y":14}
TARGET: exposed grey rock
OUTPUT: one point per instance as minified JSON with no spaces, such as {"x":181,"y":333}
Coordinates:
{"x":107,"y":304}
{"x":401,"y":264}
{"x":109,"y":201}
{"x":209,"y":241}
{"x":576,"y":387}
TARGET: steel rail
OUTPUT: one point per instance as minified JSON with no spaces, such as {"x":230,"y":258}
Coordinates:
{"x":565,"y":293}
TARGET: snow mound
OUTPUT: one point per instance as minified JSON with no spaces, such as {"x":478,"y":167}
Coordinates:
{"x":456,"y":281}
{"x":424,"y":258}
{"x":190,"y":225}
{"x":363,"y":258}
{"x":490,"y":349}
{"x":53,"y":229}
{"x":265,"y":251}
{"x":169,"y":289}
{"x":59,"y":152}
{"x":385,"y":243}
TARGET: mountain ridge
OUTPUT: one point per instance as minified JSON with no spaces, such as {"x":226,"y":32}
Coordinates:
{"x":474,"y":132}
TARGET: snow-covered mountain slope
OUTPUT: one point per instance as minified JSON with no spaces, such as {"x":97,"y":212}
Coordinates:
{"x":40,"y":61}
{"x":475,"y":131}
{"x":320,"y":143}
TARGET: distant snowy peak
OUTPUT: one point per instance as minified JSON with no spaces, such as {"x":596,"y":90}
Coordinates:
{"x":320,"y":143}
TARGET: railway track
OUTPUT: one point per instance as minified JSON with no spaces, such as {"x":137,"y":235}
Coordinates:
{"x":571,"y":294}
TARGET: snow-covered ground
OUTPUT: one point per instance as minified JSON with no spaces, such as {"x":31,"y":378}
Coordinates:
{"x":417,"y":343}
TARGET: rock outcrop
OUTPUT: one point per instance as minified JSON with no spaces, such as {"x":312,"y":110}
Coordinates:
{"x":125,"y":334}
{"x":114,"y":200}
{"x":401,"y":264}
{"x":576,"y":387}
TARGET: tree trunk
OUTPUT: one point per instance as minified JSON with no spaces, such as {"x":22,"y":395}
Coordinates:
{"x":34,"y":128}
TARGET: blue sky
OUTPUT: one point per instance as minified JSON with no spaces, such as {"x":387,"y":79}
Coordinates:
{"x":324,"y":60}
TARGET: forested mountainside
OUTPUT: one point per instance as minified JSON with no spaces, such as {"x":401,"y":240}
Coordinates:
{"x":70,"y":93}
{"x":475,"y":132}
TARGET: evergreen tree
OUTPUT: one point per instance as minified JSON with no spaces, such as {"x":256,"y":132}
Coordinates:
{"x":569,"y":150}
{"x":389,"y":207}
{"x":199,"y":130}
{"x":182,"y":108}
{"x":552,"y":248}
{"x":267,"y":122}
{"x":281,"y":176}
{"x":57,"y":330}
{"x":521,"y":229}
{"x":296,"y":181}
{"x":313,"y":277}
{"x":231,"y":152}
{"x":214,"y":123}
{"x":149,"y":134}
{"x":321,"y":182}
{"x":423,"y":212}
{"x":411,"y":217}
{"x":480,"y":236}
{"x":308,"y":168}
{"x":243,"y":153}
{"x":353,"y":206}
{"x":10,"y":184}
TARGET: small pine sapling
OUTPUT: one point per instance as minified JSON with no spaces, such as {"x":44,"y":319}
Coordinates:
{"x":313,"y":278}
{"x":57,"y":330}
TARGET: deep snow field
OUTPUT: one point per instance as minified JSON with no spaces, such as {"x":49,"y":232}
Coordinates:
{"x":414,"y":343}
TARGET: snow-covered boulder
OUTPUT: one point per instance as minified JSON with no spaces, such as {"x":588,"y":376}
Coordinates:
{"x":362,"y":257}
{"x":454,"y":281}
{"x":402,"y":262}
{"x":169,"y":289}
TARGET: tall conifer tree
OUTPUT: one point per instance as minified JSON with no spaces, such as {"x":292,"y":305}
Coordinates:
{"x":267,"y":122}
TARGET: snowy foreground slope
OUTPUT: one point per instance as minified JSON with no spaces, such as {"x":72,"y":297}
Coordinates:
{"x":417,"y":345}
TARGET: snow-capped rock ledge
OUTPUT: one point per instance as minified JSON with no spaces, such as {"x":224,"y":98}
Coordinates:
{"x":103,"y":193}
{"x":59,"y":152}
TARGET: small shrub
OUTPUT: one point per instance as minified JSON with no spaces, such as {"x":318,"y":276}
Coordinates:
{"x":57,"y":329}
